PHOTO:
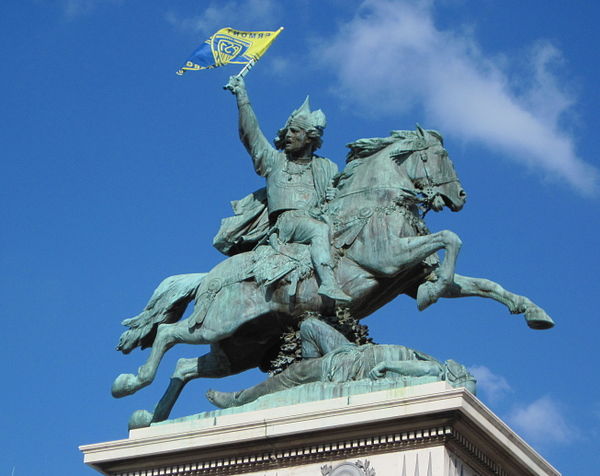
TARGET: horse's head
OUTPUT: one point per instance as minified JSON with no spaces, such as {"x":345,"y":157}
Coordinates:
{"x":430,"y":169}
{"x":406,"y":165}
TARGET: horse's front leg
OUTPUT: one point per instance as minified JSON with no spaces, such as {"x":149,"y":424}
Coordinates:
{"x":167,"y":335}
{"x":410,"y":251}
{"x":535,"y":316}
{"x":430,"y":291}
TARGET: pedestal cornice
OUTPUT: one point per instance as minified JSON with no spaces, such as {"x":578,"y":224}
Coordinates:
{"x":380,"y":422}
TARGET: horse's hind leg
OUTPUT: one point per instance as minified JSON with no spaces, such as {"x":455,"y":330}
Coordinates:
{"x":464,"y":286}
{"x":167,"y":335}
{"x":215,"y":364}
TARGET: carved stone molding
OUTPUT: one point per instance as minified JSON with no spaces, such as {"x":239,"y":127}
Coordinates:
{"x":429,"y":427}
{"x":251,"y":462}
{"x":359,"y":468}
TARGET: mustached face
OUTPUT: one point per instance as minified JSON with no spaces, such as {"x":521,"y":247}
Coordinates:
{"x":297,"y":141}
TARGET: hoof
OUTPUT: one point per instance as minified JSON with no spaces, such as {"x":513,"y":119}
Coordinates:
{"x":140,"y":419}
{"x":124,"y":384}
{"x":537,"y":318}
{"x":427,"y":294}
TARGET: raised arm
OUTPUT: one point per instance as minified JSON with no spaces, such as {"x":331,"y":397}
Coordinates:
{"x":251,"y":136}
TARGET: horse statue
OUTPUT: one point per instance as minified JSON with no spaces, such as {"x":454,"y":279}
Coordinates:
{"x":382,"y":247}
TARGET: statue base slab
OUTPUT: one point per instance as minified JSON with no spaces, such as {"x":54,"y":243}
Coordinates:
{"x":308,"y":392}
{"x":430,"y":429}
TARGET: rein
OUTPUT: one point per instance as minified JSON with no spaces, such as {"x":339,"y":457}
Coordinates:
{"x":410,"y":193}
{"x":429,"y":188}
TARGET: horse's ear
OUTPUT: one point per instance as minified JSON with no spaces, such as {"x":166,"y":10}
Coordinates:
{"x":420,"y":130}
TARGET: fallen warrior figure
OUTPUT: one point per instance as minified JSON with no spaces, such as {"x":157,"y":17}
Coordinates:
{"x":329,"y":357}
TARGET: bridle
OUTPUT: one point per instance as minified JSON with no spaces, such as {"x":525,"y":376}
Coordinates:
{"x":426,"y":185}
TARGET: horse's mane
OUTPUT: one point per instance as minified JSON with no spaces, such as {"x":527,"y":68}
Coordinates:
{"x":408,"y":141}
{"x":362,"y":148}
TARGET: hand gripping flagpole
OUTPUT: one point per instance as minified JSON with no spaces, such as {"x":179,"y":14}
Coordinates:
{"x":246,"y":69}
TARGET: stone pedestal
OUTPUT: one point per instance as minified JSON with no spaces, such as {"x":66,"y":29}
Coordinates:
{"x":429,"y":430}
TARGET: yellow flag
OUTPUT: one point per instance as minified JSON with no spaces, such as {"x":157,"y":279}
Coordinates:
{"x":230,"y":46}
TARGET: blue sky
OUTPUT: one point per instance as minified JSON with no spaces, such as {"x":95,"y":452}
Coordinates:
{"x":116,"y":173}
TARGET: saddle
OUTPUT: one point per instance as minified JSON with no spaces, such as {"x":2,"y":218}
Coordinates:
{"x":290,"y":262}
{"x":267,"y":264}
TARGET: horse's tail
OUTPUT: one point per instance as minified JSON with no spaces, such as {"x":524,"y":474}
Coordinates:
{"x":167,"y":305}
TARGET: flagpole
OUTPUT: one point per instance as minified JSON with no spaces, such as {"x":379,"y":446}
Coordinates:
{"x":248,"y":66}
{"x":246,"y":69}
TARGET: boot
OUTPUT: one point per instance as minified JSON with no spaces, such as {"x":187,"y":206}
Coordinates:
{"x":329,"y":287}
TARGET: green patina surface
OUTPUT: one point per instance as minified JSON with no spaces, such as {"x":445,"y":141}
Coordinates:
{"x":314,"y":242}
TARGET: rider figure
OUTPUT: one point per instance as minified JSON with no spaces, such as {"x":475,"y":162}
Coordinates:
{"x":298,"y":181}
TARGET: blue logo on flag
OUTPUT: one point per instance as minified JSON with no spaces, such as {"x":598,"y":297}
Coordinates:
{"x":226,"y":48}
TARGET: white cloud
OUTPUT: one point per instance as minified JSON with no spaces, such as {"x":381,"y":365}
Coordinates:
{"x":541,"y":422}
{"x":244,"y":15}
{"x":391,"y":57}
{"x":493,"y":386}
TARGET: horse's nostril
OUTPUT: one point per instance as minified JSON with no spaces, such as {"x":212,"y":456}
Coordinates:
{"x":462,"y":194}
